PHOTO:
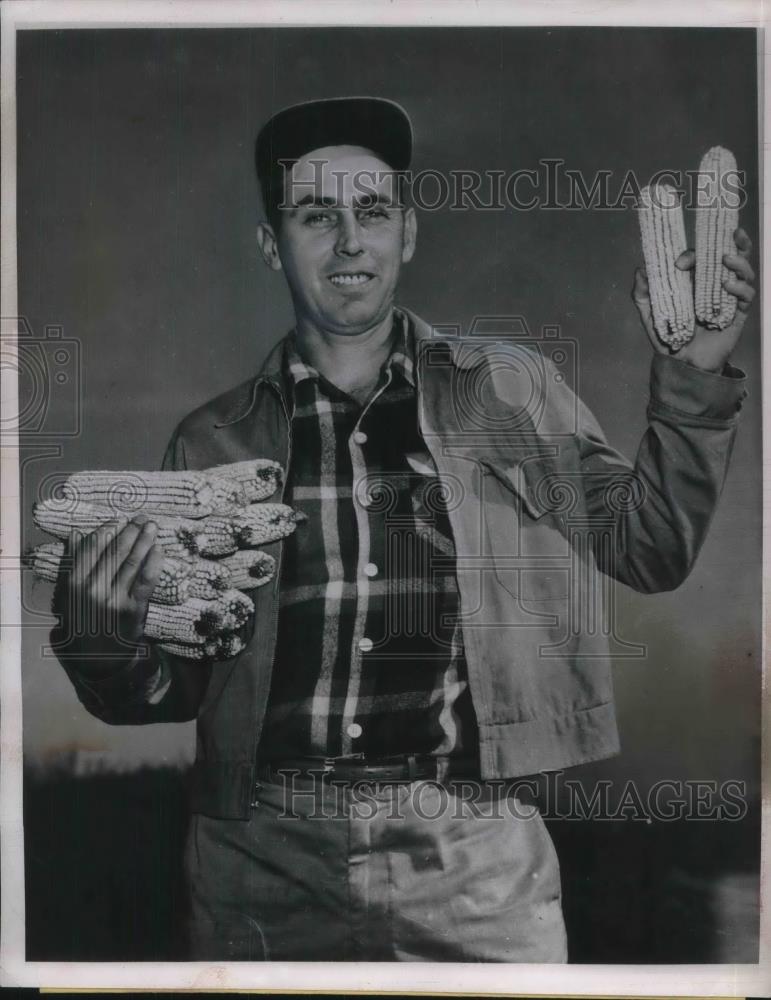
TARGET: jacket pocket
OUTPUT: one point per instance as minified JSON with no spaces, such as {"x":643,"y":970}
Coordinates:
{"x":526,"y":542}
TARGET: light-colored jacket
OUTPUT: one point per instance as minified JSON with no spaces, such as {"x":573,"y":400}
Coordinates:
{"x":544,"y":514}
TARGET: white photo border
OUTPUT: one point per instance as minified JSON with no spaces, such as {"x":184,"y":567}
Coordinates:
{"x":456,"y":979}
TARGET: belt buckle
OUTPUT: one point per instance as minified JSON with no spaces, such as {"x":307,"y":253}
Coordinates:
{"x":331,"y":764}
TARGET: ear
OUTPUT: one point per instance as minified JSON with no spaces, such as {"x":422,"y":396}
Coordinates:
{"x":409,"y":236}
{"x":266,"y":240}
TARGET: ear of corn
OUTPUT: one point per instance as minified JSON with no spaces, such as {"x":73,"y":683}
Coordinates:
{"x":212,"y":536}
{"x":188,"y":651}
{"x":261,"y":523}
{"x":192,"y":622}
{"x":183,"y":494}
{"x":45,"y":560}
{"x":209,"y":536}
{"x":222,"y":648}
{"x":249,"y":568}
{"x":662,"y":229}
{"x":195,"y":621}
{"x":207,"y":579}
{"x":60,"y":516}
{"x":172,"y":587}
{"x":715,"y":225}
{"x":259,"y":478}
{"x":234,"y":608}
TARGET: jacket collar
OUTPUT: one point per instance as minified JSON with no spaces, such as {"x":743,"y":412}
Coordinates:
{"x":463,"y":354}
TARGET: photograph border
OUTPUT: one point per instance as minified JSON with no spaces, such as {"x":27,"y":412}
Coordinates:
{"x":416,"y":978}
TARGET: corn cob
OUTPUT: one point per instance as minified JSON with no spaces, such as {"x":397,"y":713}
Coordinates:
{"x":222,"y":648}
{"x":204,"y":651}
{"x":662,"y":229}
{"x":172,"y":587}
{"x":261,"y":523}
{"x":207,"y":578}
{"x":193,"y":622}
{"x":209,"y":536}
{"x":234,"y":609}
{"x":249,"y":568}
{"x":715,"y":226}
{"x":259,"y":477}
{"x":45,"y":560}
{"x":196,"y":620}
{"x":184,"y":494}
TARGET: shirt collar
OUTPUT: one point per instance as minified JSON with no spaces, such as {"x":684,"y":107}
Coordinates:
{"x":401,"y":359}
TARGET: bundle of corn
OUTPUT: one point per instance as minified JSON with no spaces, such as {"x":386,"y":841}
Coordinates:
{"x":716,"y":222}
{"x":209,"y":525}
{"x":662,"y":229}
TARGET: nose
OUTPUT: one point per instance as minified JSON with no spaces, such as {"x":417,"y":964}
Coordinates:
{"x":348,"y":243}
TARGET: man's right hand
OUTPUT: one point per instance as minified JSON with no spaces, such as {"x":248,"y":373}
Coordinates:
{"x":102,"y":600}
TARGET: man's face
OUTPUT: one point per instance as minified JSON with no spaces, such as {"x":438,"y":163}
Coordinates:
{"x":343,"y":239}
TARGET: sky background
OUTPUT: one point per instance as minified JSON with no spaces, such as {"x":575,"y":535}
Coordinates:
{"x":137,"y":213}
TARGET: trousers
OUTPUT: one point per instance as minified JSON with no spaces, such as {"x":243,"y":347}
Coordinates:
{"x":415,"y":871}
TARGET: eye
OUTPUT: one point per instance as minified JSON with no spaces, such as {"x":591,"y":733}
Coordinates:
{"x":373,"y":213}
{"x":319,"y":218}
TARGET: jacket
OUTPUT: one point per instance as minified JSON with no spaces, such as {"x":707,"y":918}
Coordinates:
{"x":543,"y":511}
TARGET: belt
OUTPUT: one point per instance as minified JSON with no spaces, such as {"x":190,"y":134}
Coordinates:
{"x":403,"y":767}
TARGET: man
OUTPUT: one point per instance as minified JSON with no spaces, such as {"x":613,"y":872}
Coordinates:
{"x":424,"y":627}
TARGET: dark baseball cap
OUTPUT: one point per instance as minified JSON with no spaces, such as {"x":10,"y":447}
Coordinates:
{"x":375,"y":123}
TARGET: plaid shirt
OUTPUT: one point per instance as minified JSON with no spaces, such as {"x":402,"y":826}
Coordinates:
{"x":369,"y":656}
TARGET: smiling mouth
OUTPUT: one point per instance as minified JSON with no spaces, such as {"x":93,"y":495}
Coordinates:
{"x":356,"y":278}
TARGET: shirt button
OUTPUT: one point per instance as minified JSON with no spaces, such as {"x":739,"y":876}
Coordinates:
{"x":354,"y":730}
{"x":359,"y":437}
{"x":365,"y":644}
{"x":371,"y":569}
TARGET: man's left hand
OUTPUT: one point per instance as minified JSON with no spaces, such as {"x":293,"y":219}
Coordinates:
{"x":708,"y":349}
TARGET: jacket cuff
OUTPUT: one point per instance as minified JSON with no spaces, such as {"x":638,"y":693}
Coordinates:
{"x":136,"y":681}
{"x":699,"y":393}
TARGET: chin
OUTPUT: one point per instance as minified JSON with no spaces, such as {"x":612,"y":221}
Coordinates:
{"x":356,"y":320}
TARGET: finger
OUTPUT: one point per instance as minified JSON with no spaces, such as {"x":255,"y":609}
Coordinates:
{"x":739,"y":265}
{"x":743,"y":242}
{"x":88,"y":551}
{"x":101,"y":580}
{"x":147,"y":576}
{"x":686,"y":260}
{"x":734,"y":330}
{"x":642,"y":300}
{"x":744,"y":293}
{"x":132,"y":564}
{"x":104,"y":571}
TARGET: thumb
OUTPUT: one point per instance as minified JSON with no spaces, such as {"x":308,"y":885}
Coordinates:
{"x":642,"y":300}
{"x":686,"y":261}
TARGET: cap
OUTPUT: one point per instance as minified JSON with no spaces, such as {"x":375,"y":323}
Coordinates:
{"x":372,"y":122}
